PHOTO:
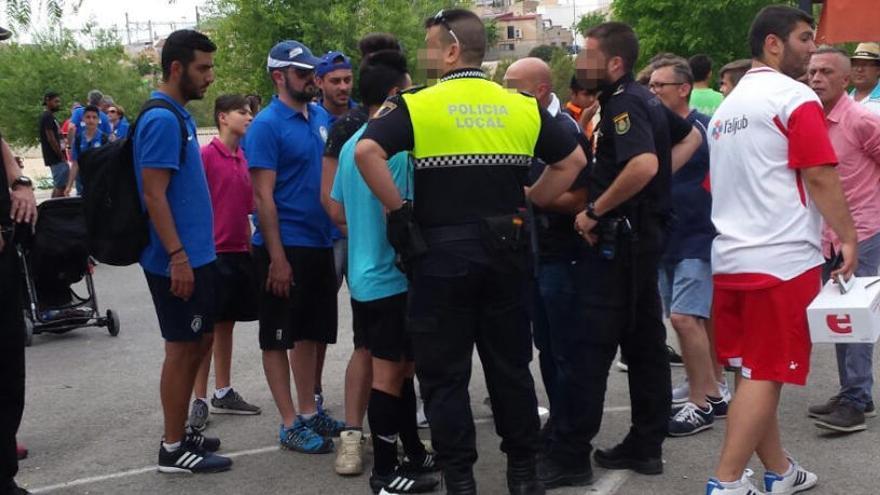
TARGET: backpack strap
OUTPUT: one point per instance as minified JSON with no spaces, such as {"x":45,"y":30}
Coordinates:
{"x":161,"y":103}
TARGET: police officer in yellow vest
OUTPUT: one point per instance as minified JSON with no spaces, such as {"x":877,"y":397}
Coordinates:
{"x":464,"y":241}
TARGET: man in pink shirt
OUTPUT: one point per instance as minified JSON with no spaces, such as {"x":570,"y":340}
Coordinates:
{"x":232,"y":199}
{"x":855,"y":134}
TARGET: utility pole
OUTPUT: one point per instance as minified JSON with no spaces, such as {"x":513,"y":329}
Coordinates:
{"x":127,"y":29}
{"x":150,"y":29}
{"x":198,"y":17}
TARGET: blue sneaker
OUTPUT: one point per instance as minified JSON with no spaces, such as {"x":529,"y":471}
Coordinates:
{"x":742,"y":487}
{"x":190,"y":459}
{"x":323,"y":424}
{"x":301,"y":438}
{"x":796,"y":480}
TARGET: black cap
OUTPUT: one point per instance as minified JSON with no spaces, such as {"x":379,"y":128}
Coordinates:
{"x":5,"y":34}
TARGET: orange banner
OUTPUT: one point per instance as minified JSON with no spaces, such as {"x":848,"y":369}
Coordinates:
{"x":849,"y":20}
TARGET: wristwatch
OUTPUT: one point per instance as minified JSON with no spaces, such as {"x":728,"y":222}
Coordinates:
{"x":591,"y":211}
{"x":22,"y":180}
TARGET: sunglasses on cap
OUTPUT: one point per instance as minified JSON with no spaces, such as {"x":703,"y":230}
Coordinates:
{"x":440,"y":18}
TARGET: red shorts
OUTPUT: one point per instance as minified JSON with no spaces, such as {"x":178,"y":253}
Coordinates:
{"x":761,"y":324}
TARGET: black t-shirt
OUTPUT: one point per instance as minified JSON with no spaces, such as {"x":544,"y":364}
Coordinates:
{"x":49,"y":126}
{"x":343,"y":129}
{"x":5,"y":199}
{"x":634,"y":121}
{"x":556,"y":237}
{"x":449,"y":195}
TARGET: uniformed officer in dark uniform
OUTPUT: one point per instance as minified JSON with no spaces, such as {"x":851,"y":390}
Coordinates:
{"x":464,"y":240}
{"x":624,"y":221}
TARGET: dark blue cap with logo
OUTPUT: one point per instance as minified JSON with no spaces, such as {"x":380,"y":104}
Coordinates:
{"x":332,"y":61}
{"x":290,"y":53}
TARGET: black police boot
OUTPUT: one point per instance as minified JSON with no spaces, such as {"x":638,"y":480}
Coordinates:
{"x":460,"y":484}
{"x":554,"y":474}
{"x":624,"y":456}
{"x":521,"y":476}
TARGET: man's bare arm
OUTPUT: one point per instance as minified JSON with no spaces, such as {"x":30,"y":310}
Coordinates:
{"x":823,"y":184}
{"x":557,"y":178}
{"x":372,"y":161}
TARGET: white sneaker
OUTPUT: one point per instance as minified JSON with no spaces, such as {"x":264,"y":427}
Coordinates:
{"x":742,"y":487}
{"x":797,"y":480}
{"x":350,"y":456}
{"x":725,"y":391}
{"x":682,"y":392}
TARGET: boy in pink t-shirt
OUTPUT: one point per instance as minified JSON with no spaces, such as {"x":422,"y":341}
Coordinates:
{"x":232,"y":199}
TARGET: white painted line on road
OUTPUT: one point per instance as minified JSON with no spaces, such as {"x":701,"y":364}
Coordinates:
{"x":612,"y":481}
{"x":615,"y":409}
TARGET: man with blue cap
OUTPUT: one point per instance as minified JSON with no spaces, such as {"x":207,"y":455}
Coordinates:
{"x":293,"y":246}
{"x":335,"y":80}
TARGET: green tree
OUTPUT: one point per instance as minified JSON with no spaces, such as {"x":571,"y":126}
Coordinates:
{"x":545,"y":52}
{"x":21,"y":12}
{"x":62,"y":65}
{"x":562,"y":68}
{"x":685,"y":27}
{"x":589,"y":20}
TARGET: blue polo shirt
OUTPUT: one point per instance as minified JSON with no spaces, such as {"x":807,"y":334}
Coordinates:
{"x":283,"y":140}
{"x":334,"y":118}
{"x":103,"y":124}
{"x":157,"y":145}
{"x":371,"y":271}
{"x":82,"y":143}
{"x":693,"y":231}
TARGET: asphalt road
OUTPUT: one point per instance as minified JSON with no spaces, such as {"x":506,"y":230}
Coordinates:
{"x":92,"y":421}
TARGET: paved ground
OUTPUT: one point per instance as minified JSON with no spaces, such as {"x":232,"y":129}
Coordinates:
{"x":92,"y":421}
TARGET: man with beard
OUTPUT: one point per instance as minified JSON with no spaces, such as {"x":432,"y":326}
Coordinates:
{"x":772,"y":164}
{"x":293,"y":247}
{"x":179,"y":260}
{"x":640,"y":142}
{"x":50,"y":142}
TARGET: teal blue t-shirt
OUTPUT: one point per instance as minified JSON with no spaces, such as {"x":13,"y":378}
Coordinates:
{"x":371,"y":271}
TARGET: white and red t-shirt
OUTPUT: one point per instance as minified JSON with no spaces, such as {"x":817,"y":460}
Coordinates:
{"x":760,"y":137}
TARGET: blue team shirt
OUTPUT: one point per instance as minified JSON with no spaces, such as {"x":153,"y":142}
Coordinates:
{"x":157,"y":145}
{"x":103,"y":124}
{"x":281,"y":139}
{"x":82,"y":143}
{"x":121,"y":129}
{"x":693,"y":231}
{"x":371,"y":271}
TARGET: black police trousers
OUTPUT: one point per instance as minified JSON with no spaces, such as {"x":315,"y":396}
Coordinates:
{"x":12,"y":337}
{"x":618,"y":305}
{"x":456,"y":303}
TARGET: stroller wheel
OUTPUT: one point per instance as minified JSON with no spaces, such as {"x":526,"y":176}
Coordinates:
{"x":28,"y":329}
{"x":112,"y":322}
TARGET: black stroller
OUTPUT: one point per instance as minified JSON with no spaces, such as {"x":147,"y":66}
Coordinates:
{"x":54,"y":258}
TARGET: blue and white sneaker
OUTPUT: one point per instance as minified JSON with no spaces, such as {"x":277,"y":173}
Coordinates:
{"x":190,"y":459}
{"x":796,"y":480}
{"x":301,"y":438}
{"x":323,"y":424}
{"x":690,"y":420}
{"x":720,"y":406}
{"x":742,"y":487}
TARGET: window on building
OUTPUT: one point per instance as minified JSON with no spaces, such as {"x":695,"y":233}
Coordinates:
{"x":511,"y":33}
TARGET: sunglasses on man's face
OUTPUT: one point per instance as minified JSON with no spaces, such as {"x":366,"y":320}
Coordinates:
{"x":440,"y":18}
{"x":303,"y":73}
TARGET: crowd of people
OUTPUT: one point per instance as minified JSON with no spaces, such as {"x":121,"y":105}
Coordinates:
{"x":465,"y":215}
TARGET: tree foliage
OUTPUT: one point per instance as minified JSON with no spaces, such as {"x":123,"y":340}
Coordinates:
{"x":245,"y":30}
{"x":60,"y":64}
{"x":545,"y":52}
{"x":21,"y":12}
{"x":589,"y":20}
{"x":718,"y":28}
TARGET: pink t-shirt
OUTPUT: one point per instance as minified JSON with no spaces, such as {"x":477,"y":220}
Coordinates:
{"x":855,"y":134}
{"x":231,"y":196}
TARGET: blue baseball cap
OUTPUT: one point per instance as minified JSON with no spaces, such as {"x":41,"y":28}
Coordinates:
{"x":290,"y":53}
{"x":332,"y":61}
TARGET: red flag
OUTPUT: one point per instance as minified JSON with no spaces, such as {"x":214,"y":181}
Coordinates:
{"x":849,"y":20}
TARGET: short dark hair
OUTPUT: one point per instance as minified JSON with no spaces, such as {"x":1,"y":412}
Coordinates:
{"x":180,"y":46}
{"x":737,"y":69}
{"x":778,"y":20}
{"x":469,"y":30}
{"x":576,"y":87}
{"x":374,"y":42}
{"x":229,"y":103}
{"x":701,"y":66}
{"x":380,"y":71}
{"x":617,"y":39}
{"x":91,"y":108}
{"x":48,"y":95}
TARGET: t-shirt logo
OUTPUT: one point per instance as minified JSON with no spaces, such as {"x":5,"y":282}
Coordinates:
{"x":323,"y":131}
{"x":729,"y":126}
{"x":196,"y":323}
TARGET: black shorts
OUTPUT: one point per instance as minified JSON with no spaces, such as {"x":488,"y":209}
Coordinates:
{"x":310,"y":311}
{"x":236,"y":287}
{"x":185,"y":321}
{"x":381,"y":324}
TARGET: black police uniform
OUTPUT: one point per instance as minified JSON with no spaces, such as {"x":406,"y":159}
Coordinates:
{"x":619,"y":296}
{"x":12,"y":338}
{"x":461,"y":294}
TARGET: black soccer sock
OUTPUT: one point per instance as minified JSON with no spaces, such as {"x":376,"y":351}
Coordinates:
{"x":408,"y":423}
{"x":382,"y":414}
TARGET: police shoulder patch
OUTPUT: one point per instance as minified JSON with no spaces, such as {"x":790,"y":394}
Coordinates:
{"x":622,"y":123}
{"x":385,"y":109}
